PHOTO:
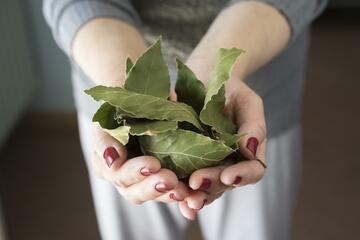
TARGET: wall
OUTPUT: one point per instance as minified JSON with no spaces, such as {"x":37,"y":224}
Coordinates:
{"x":50,"y":64}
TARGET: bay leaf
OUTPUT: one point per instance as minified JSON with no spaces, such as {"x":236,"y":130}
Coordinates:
{"x":120,"y":133}
{"x":137,"y":127}
{"x":129,"y":65}
{"x":150,"y":74}
{"x":121,"y":114}
{"x":150,"y":127}
{"x":230,"y":140}
{"x":147,"y":127}
{"x":189,"y":89}
{"x":212,"y":112}
{"x":145,"y":106}
{"x":184,"y":151}
{"x":105,"y":116}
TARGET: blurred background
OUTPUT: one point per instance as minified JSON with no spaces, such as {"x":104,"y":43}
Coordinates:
{"x":44,"y":189}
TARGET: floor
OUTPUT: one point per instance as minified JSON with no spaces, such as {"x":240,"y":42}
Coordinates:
{"x":44,"y":182}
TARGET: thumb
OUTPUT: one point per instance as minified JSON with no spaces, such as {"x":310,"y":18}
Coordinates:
{"x":249,"y":116}
{"x":108,"y":148}
{"x":252,"y":140}
{"x":173,"y":96}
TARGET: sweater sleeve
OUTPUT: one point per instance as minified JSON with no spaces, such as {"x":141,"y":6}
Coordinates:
{"x":66,"y":17}
{"x":298,"y":13}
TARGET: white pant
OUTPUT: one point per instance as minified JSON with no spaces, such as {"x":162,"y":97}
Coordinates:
{"x":257,"y":212}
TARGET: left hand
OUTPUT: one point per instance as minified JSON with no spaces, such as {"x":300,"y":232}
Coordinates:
{"x":245,"y":108}
{"x":266,"y":34}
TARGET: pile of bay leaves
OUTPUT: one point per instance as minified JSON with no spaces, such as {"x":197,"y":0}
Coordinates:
{"x":185,"y":135}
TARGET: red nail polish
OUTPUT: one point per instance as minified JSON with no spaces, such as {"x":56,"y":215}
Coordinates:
{"x":206,"y":183}
{"x":162,"y":187}
{"x":252,"y":145}
{"x":145,"y":172}
{"x":110,"y":155}
{"x":173,"y":197}
{"x":237,"y":180}
{"x":205,"y":201}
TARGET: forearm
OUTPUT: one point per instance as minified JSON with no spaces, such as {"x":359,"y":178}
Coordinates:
{"x":101,"y":47}
{"x":256,"y":27}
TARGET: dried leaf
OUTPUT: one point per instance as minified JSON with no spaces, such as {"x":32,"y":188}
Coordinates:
{"x":120,"y":133}
{"x":188,"y":88}
{"x":129,"y":65}
{"x":145,"y":106}
{"x":185,"y":151}
{"x":105,"y":116}
{"x":212,"y":112}
{"x":151,"y":127}
{"x":150,"y":75}
{"x":230,"y":140}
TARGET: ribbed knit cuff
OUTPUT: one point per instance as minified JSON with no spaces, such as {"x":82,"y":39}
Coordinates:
{"x":78,"y":13}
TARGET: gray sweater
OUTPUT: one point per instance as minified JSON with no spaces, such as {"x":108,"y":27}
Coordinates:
{"x":182,"y":23}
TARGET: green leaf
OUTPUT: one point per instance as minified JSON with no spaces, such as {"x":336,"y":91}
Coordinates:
{"x":150,"y":74}
{"x":188,"y":88}
{"x":151,"y":127}
{"x":230,"y":140}
{"x":184,"y":151}
{"x":212,"y":112}
{"x":145,"y":106}
{"x":121,"y":114}
{"x":105,"y":116}
{"x":120,"y":133}
{"x":129,"y":65}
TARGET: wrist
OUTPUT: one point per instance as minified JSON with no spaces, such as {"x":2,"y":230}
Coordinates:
{"x":101,"y":47}
{"x":201,"y":67}
{"x":203,"y":64}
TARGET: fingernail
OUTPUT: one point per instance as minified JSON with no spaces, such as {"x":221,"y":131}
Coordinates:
{"x":205,"y":201}
{"x":252,"y":145}
{"x":206,"y":183}
{"x":162,"y":187}
{"x":173,"y":197}
{"x":110,"y":155}
{"x":145,"y":171}
{"x":237,"y":180}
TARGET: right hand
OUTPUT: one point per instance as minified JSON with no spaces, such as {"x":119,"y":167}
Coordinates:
{"x":138,"y":179}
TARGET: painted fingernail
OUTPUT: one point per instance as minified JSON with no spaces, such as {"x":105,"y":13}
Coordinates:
{"x":145,"y":171}
{"x":252,"y":145}
{"x":173,"y":197}
{"x":110,"y":155}
{"x":162,"y":187}
{"x":206,"y":183}
{"x":237,"y":180}
{"x":205,"y":201}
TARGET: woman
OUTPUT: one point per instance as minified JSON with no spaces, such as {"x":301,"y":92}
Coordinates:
{"x":99,"y":35}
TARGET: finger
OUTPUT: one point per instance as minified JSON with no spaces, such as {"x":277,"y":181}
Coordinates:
{"x":189,"y":212}
{"x":173,"y":96}
{"x":196,"y":200}
{"x":178,"y":194}
{"x":186,"y":211}
{"x":245,"y":172}
{"x":97,"y":165}
{"x":151,"y":187}
{"x":229,"y":112}
{"x":213,"y":197}
{"x":208,"y":180}
{"x":249,"y":115}
{"x":135,"y":170}
{"x":112,"y":152}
